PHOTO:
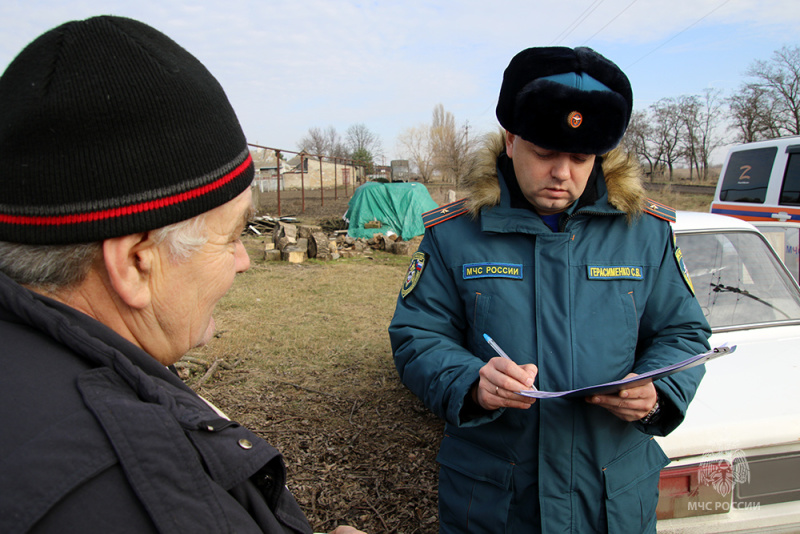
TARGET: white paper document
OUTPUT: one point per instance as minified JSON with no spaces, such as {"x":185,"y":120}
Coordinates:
{"x":611,"y":387}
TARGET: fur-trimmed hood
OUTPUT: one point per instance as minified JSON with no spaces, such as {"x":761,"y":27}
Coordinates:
{"x":621,"y":175}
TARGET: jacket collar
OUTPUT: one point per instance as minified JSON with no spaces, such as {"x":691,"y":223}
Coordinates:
{"x":94,"y":343}
{"x":508,"y":216}
{"x":618,"y":187}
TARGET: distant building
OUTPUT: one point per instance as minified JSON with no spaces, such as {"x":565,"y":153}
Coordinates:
{"x":313,"y":174}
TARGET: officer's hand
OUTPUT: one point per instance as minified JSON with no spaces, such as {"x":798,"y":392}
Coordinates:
{"x":628,"y":404}
{"x":500,"y":379}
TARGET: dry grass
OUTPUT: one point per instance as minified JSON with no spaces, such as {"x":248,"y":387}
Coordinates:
{"x":681,"y":201}
{"x":305,"y":318}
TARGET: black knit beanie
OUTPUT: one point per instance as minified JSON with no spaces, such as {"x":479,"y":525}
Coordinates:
{"x":109,"y":128}
{"x":570,"y":100}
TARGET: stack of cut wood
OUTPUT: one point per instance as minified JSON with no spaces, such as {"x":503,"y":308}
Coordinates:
{"x":350,"y":246}
{"x":296,"y":243}
{"x":389,"y":242}
{"x":260,"y":225}
{"x":264,"y":224}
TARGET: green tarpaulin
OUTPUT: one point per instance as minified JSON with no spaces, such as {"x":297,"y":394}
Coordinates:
{"x":398,"y":207}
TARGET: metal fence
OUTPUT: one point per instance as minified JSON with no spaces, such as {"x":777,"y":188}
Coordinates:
{"x":308,"y":173}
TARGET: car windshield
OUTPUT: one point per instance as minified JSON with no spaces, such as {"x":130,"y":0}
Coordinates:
{"x":738,"y":280}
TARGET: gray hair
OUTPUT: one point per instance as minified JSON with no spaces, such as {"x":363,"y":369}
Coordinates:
{"x":183,"y":238}
{"x":53,"y":267}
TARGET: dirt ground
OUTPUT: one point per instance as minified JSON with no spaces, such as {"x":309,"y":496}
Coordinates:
{"x":362,"y":460}
{"x":363,"y":456}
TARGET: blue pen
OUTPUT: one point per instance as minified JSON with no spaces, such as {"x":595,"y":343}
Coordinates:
{"x":496,"y":347}
{"x":500,"y":351}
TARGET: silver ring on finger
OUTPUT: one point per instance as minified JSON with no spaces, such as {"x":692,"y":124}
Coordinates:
{"x":496,"y":389}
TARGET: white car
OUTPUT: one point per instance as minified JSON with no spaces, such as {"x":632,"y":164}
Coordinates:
{"x":736,"y":457}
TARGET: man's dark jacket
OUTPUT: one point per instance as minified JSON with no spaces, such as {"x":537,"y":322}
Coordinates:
{"x":100,"y":437}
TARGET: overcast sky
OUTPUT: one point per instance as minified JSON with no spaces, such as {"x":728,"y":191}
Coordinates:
{"x":290,"y":65}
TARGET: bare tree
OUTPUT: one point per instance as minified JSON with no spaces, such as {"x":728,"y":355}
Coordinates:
{"x":700,"y":116}
{"x":337,"y":148}
{"x":451,"y":146}
{"x":325,"y":142}
{"x":314,"y":142}
{"x":359,"y":138}
{"x":750,"y":113}
{"x":688,"y":111}
{"x":637,"y":140}
{"x":777,"y":84}
{"x":443,"y":141}
{"x":666,"y":133}
{"x":707,"y":135}
{"x":416,"y":144}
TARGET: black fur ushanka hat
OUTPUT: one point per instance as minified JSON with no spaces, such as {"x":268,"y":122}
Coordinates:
{"x":570,"y":100}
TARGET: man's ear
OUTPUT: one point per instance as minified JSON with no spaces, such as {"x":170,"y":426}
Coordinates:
{"x":129,"y":263}
{"x":510,"y":144}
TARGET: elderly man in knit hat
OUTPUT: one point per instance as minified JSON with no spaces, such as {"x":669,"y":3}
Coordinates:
{"x":558,"y":258}
{"x":124,"y":187}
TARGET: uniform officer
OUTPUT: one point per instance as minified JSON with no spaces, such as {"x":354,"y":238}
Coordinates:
{"x":555,"y":254}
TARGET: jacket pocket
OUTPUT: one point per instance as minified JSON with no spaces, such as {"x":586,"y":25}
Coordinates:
{"x":481,"y":306}
{"x":629,"y":319}
{"x":474,"y":488}
{"x":631,"y":485}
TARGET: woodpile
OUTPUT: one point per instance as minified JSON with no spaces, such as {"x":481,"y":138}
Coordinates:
{"x":390,"y":242}
{"x":295,"y":243}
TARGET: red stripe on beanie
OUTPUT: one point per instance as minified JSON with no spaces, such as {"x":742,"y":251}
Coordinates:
{"x":150,"y":205}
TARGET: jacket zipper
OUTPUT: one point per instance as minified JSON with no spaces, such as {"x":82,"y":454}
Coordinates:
{"x":563,"y":226}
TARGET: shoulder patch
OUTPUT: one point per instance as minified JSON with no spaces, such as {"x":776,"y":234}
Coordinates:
{"x":418,"y":261}
{"x":443,"y":213}
{"x":657,"y":209}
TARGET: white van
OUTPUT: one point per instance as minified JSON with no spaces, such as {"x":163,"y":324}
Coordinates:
{"x":760,"y":183}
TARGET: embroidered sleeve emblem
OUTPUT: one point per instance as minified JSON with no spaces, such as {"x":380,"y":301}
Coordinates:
{"x":414,"y":273}
{"x":682,"y":268}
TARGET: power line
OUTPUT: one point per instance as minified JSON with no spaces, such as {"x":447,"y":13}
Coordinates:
{"x":695,"y":23}
{"x":583,"y":19}
{"x":609,"y":22}
{"x":575,"y":23}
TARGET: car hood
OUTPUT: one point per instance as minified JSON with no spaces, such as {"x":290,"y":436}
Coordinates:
{"x":747,"y":399}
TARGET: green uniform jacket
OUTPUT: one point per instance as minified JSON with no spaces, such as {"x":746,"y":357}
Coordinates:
{"x":603,"y":297}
